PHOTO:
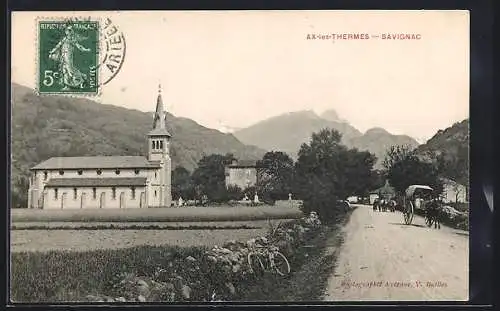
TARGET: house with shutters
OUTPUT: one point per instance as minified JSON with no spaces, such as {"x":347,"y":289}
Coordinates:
{"x":107,"y":181}
{"x":242,"y":173}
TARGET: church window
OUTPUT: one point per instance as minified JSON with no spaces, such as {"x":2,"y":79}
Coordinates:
{"x":45,"y":175}
{"x":137,"y":172}
{"x":117,"y":172}
{"x":75,"y":193}
{"x":61,"y":172}
{"x":133,"y":193}
{"x":80,"y":172}
{"x":94,"y":193}
{"x":55,"y":193}
{"x":99,"y":172}
{"x":113,"y":193}
{"x":161,"y":144}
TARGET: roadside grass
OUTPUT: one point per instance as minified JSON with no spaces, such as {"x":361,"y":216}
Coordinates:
{"x":58,"y":276}
{"x":311,"y":268}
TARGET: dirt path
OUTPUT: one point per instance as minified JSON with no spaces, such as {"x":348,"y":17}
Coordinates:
{"x":382,"y":259}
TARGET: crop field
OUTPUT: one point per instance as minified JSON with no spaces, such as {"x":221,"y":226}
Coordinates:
{"x":185,"y":214}
{"x":199,"y":225}
{"x":84,"y":240}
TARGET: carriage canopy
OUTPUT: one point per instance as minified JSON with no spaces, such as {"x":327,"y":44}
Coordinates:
{"x":413,"y":189}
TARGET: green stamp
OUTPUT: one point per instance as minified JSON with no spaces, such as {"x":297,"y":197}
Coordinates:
{"x":68,"y":56}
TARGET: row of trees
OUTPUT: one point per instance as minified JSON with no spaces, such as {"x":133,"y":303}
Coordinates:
{"x":403,"y":167}
{"x":326,"y":171}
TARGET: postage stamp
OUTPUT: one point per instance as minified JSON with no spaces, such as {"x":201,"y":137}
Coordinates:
{"x":68,"y":55}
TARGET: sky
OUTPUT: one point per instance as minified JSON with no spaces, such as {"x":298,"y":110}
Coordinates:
{"x":233,"y":69}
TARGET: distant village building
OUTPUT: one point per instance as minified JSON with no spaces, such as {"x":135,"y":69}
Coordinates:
{"x":384,"y":192}
{"x":453,"y":192}
{"x":241,"y":173}
{"x":107,"y":181}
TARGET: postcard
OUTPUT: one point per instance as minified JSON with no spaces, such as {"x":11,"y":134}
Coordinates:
{"x":221,"y":156}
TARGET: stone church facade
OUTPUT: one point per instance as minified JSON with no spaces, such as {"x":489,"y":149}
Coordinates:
{"x":107,"y":181}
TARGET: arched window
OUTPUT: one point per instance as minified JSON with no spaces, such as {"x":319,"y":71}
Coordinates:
{"x":94,"y":193}
{"x":153,"y":144}
{"x":161,"y":144}
{"x":98,"y":171}
{"x":137,"y":171}
{"x":113,"y":193}
{"x":80,"y":172}
{"x":117,"y":172}
{"x":75,"y":193}
{"x":155,"y":193}
{"x":61,"y":172}
{"x":155,"y":174}
{"x":133,"y":193}
{"x":45,"y":175}
{"x":55,"y":193}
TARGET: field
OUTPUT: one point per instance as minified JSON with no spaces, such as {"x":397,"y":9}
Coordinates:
{"x":85,"y":240}
{"x":82,"y":230}
{"x":186,"y":214}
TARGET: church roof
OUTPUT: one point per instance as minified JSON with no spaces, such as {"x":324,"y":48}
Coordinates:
{"x":159,"y":132}
{"x":243,"y":163}
{"x":97,"y":182}
{"x":101,"y":162}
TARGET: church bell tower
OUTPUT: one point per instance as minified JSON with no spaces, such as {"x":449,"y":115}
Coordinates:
{"x":159,"y":151}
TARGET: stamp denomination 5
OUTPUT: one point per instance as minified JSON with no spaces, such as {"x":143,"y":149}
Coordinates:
{"x":68,"y":52}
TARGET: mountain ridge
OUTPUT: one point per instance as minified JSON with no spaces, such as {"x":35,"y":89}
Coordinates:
{"x":286,"y":132}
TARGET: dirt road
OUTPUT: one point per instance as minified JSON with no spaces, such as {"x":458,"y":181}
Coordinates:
{"x":382,"y":259}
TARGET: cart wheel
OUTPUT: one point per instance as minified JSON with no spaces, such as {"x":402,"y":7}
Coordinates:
{"x":408,"y":213}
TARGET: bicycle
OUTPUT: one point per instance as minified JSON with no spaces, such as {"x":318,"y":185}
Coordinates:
{"x":264,"y":259}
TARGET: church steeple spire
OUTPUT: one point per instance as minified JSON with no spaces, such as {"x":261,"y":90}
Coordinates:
{"x":160,"y":115}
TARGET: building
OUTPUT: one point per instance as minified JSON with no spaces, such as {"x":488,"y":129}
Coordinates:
{"x":107,"y":181}
{"x":241,"y":173}
{"x":453,"y":192}
{"x":384,"y":192}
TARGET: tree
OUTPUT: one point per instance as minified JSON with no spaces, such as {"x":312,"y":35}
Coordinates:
{"x":181,"y":184}
{"x":275,"y":175}
{"x":209,"y":177}
{"x":404,"y":168}
{"x":327,"y":171}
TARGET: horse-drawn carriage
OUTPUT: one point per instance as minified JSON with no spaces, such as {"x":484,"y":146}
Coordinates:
{"x":384,"y":205}
{"x":420,"y":197}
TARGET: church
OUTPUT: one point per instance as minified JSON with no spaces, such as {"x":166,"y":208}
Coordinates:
{"x":107,"y":181}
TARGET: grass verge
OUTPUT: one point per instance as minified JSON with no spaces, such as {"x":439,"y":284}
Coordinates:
{"x":311,"y":267}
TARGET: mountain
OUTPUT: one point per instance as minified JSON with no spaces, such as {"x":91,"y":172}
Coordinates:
{"x":377,"y":140}
{"x":451,"y":147}
{"x":47,"y":126}
{"x":288,"y":131}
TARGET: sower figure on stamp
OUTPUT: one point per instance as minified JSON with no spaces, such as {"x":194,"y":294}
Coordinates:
{"x":63,"y":54}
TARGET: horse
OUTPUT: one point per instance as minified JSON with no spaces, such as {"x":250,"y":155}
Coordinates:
{"x":376,"y":204}
{"x":434,"y":213}
{"x":392,"y":206}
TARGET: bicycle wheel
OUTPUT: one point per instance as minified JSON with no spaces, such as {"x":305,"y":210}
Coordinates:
{"x":255,"y":264}
{"x":280,"y":264}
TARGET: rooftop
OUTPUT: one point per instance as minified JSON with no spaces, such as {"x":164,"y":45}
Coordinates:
{"x":97,"y":182}
{"x":101,"y":162}
{"x":243,"y":163}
